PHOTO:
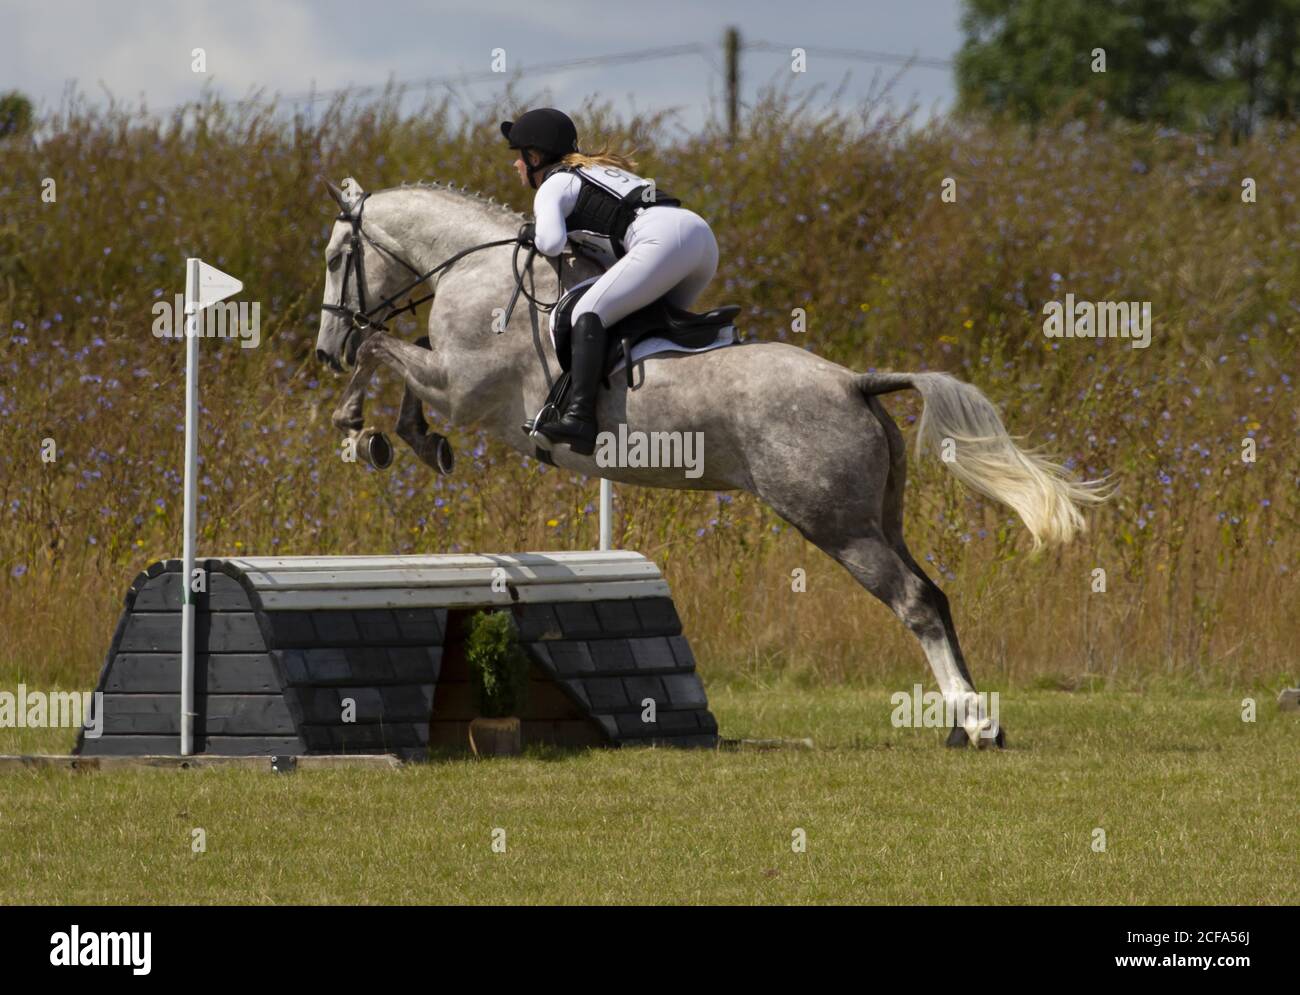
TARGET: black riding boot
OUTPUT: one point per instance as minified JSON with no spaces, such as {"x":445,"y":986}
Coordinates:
{"x":578,"y":426}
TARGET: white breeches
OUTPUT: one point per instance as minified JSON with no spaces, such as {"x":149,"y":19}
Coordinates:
{"x":671,"y":253}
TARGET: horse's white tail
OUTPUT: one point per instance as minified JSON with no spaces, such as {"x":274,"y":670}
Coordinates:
{"x":986,"y":458}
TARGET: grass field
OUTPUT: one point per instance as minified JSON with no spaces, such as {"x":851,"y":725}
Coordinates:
{"x":1122,"y":699}
{"x":1197,"y":806}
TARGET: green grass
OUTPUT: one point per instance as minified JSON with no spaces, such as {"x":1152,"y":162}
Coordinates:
{"x":1198,"y":807}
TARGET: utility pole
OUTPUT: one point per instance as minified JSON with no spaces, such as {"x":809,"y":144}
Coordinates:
{"x":731,"y":43}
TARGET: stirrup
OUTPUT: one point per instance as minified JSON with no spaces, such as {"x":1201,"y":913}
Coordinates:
{"x":534,"y":424}
{"x":556,"y":396}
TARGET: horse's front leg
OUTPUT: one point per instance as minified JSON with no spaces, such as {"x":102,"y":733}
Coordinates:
{"x":432,"y":448}
{"x":415,"y":364}
{"x":349,"y":417}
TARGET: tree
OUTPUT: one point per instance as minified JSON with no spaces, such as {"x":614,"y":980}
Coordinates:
{"x":15,"y":114}
{"x":1202,"y":64}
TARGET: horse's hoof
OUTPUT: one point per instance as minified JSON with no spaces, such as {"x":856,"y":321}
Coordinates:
{"x":435,"y":452}
{"x":958,"y":739}
{"x":445,"y":459}
{"x":374,"y":448}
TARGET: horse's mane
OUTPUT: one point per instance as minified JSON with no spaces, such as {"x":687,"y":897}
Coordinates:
{"x":464,"y":192}
{"x":489,"y":205}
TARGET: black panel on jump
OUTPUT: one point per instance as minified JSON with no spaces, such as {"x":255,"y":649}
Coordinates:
{"x":343,"y":654}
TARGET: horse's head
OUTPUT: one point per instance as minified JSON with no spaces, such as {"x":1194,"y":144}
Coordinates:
{"x":364,"y":268}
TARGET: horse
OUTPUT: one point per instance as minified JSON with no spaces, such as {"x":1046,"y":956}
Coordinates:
{"x":808,"y":437}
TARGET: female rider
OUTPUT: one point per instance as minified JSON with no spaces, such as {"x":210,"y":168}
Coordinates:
{"x":657,"y":248}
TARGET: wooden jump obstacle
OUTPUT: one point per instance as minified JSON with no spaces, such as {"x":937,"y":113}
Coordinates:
{"x":346,"y":655}
{"x":361,"y":654}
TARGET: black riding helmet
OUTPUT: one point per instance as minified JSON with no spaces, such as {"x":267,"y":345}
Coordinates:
{"x":547,"y":130}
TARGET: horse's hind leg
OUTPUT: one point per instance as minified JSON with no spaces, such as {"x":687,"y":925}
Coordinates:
{"x":923,"y":608}
{"x":945,"y":655}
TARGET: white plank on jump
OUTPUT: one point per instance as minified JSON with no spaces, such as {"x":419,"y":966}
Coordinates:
{"x":613,"y":591}
{"x":481,"y":595}
{"x":265,"y":564}
{"x":444,"y":577}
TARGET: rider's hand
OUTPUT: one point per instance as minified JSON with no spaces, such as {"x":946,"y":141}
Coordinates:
{"x":527,"y":231}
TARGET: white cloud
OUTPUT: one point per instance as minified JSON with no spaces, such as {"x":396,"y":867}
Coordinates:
{"x":286,"y":45}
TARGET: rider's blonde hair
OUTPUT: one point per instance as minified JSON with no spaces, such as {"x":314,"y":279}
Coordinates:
{"x":604,"y":157}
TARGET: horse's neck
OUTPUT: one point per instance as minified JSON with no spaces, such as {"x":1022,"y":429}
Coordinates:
{"x":432,"y":229}
{"x":489,"y":385}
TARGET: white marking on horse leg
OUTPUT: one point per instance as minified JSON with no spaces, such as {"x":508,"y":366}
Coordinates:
{"x":965,"y":704}
{"x":918,"y":604}
{"x":944,"y":665}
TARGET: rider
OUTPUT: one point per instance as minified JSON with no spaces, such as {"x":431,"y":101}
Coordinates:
{"x":600,"y":202}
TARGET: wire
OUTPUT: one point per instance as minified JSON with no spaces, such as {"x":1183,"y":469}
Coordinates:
{"x":541,"y":69}
{"x":853,"y":53}
{"x":621,"y":58}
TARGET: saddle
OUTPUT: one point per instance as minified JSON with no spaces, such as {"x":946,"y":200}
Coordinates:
{"x":661,"y":319}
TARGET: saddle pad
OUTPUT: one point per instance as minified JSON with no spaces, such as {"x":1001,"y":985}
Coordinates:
{"x":653,"y":346}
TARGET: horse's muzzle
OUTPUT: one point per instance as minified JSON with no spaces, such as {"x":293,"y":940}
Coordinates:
{"x":346,"y":357}
{"x":327,"y":360}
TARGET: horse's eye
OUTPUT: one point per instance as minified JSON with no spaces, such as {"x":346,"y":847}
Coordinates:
{"x":333,"y":264}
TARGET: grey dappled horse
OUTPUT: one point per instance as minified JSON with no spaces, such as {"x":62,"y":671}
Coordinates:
{"x":806,"y":436}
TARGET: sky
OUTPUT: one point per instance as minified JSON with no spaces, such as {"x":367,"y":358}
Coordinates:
{"x":140,"y":50}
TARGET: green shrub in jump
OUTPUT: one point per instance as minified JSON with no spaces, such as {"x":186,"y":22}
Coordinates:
{"x":497,"y":664}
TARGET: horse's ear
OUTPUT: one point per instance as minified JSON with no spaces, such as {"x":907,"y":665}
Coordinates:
{"x":348,"y":196}
{"x":335,"y":192}
{"x":352,"y":192}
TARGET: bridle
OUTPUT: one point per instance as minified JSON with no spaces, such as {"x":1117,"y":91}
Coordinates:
{"x":362,"y":318}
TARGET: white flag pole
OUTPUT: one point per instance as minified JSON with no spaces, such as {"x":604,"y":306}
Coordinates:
{"x":192,"y":325}
{"x":204,"y":285}
{"x":606,"y":513}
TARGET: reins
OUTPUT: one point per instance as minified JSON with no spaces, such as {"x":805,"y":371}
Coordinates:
{"x":362,"y":317}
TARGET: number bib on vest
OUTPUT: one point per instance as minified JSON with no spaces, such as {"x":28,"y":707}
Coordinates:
{"x":602,"y":213}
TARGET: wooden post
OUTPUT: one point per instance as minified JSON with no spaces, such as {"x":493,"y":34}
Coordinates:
{"x":731,"y":42}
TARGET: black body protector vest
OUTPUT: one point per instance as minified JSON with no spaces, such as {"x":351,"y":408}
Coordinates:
{"x":609,"y":201}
